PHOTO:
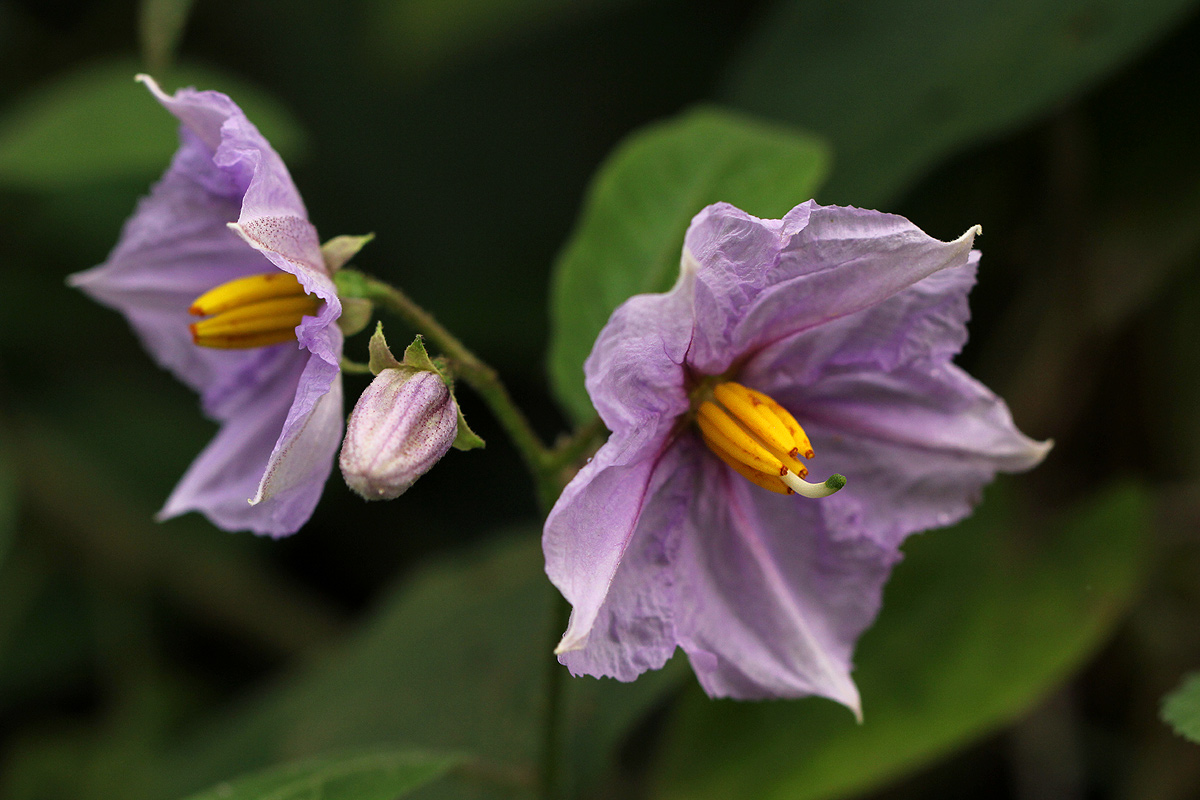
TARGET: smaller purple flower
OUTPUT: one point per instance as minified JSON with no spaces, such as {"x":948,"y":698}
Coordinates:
{"x":828,"y":334}
{"x":225,"y":233}
{"x":402,"y":425}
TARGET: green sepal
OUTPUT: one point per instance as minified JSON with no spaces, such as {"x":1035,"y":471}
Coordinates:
{"x":416,"y":357}
{"x":350,"y":283}
{"x":356,"y":315}
{"x":381,"y":355}
{"x":338,"y":251}
{"x":466,"y":439}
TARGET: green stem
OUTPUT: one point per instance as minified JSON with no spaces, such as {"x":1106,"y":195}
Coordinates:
{"x":466,"y":365}
{"x":550,"y":468}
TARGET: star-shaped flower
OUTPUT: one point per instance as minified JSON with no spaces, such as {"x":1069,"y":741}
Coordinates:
{"x":225,"y":234}
{"x":835,"y":326}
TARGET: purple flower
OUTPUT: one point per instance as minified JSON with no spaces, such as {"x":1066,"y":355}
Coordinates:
{"x":849,"y":319}
{"x":227,"y":209}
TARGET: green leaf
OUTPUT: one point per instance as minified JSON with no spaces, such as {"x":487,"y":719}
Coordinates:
{"x":896,"y":87}
{"x":978,"y":623}
{"x":630,"y":234}
{"x":373,"y":775}
{"x":1181,"y":708}
{"x":160,"y":26}
{"x":8,"y":502}
{"x":98,"y":124}
{"x":456,"y":660}
{"x":414,"y":36}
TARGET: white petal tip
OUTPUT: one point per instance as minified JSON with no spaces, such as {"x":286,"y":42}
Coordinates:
{"x":569,"y":644}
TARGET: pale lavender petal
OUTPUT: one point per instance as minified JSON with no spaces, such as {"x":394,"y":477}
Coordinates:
{"x":635,"y":374}
{"x":227,"y":208}
{"x":226,"y":474}
{"x":772,"y":604}
{"x":633,"y":626}
{"x":763,"y":600}
{"x":825,"y":262}
{"x":303,"y":455}
{"x":175,"y":247}
{"x":591,"y":525}
{"x":916,"y":444}
{"x":927,"y":321}
{"x":635,"y":378}
{"x":265,"y":188}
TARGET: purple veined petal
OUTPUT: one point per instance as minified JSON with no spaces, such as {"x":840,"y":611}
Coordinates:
{"x":311,"y":433}
{"x":917,"y":445}
{"x":633,"y":627}
{"x":590,"y":527}
{"x":265,"y":468}
{"x":227,"y":473}
{"x":237,"y":148}
{"x":175,"y":247}
{"x":925,"y":322}
{"x":635,"y":379}
{"x":771,"y":603}
{"x":750,"y":294}
{"x":764,"y":602}
{"x":635,"y":374}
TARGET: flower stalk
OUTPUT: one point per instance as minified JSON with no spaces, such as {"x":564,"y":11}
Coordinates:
{"x":548,"y":466}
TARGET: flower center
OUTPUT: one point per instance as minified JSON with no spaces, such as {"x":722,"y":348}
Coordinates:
{"x":254,"y":311}
{"x":759,"y":440}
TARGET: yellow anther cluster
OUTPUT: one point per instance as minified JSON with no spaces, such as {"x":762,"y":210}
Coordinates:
{"x":758,"y":438}
{"x":254,"y":311}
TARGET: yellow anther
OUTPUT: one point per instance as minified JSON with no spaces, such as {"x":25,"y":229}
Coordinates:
{"x":799,"y":437}
{"x":245,"y":291}
{"x":254,"y":311}
{"x":760,"y":421}
{"x":720,"y":429}
{"x":769,"y":482}
{"x":759,"y":440}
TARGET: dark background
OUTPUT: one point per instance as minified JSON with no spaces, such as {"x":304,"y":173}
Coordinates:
{"x":468,"y":154}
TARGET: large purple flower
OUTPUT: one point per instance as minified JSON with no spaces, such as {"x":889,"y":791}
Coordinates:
{"x":849,"y":319}
{"x":227,"y":209}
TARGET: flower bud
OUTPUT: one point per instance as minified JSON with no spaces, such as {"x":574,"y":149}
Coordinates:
{"x":401,"y":426}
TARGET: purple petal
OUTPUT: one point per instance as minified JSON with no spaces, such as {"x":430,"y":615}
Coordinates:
{"x":590,"y":526}
{"x":763,"y":600}
{"x":759,"y":281}
{"x":227,"y":208}
{"x":236,"y":147}
{"x":623,"y":623}
{"x":916,"y":444}
{"x":635,"y":374}
{"x":773,"y":603}
{"x":175,"y":247}
{"x":250,"y":459}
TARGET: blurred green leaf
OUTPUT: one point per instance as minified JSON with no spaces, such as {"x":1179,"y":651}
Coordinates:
{"x":896,"y":87}
{"x":374,"y":775}
{"x":8,"y":501}
{"x":98,"y":124}
{"x":1181,"y":708}
{"x":978,"y":623}
{"x":160,"y":26}
{"x":630,"y":233}
{"x":457,"y":661}
{"x":414,"y":36}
